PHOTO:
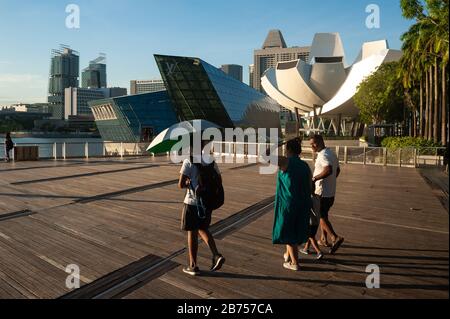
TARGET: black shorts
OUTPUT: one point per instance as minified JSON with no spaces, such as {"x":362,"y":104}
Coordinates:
{"x":325,"y":205}
{"x":313,"y":230}
{"x":190,"y":219}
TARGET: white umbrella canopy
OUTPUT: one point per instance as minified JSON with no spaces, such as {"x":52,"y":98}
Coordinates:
{"x":165,"y":140}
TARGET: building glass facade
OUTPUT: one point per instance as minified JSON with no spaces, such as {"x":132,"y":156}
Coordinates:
{"x":199,"y":90}
{"x":133,"y":118}
{"x":195,"y":90}
{"x":94,"y":76}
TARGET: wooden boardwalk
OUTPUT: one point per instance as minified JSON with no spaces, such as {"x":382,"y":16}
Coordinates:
{"x":119,"y":220}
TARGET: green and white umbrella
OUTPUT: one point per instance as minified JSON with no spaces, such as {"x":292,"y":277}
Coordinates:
{"x":165,"y":140}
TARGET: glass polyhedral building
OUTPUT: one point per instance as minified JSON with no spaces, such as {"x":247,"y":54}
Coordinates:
{"x":195,"y":90}
{"x":199,"y":90}
{"x":133,"y":118}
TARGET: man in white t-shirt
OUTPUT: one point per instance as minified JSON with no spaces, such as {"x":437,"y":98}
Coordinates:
{"x":194,"y":220}
{"x":326,"y":172}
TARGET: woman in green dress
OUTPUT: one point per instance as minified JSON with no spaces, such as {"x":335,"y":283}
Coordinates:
{"x":292,"y":203}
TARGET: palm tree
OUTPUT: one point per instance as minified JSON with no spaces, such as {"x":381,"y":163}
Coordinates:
{"x":425,"y":46}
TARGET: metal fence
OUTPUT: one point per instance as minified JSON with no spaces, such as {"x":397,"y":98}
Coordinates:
{"x":84,"y":150}
{"x":404,"y":157}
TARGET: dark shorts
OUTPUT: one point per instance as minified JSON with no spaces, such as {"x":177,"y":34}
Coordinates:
{"x":313,"y":230}
{"x":191,"y":221}
{"x":325,"y":205}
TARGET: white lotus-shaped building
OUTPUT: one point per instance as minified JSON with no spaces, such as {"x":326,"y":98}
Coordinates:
{"x":325,"y":86}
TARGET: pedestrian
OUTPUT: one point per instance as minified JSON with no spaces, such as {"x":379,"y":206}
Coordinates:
{"x":314,"y":223}
{"x":9,"y":145}
{"x":326,"y":172}
{"x":292,"y":203}
{"x":203,"y":182}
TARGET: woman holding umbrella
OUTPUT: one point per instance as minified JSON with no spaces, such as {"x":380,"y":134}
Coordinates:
{"x":201,"y":177}
{"x":196,"y":216}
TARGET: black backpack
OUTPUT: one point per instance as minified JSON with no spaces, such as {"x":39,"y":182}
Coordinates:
{"x":210,"y":189}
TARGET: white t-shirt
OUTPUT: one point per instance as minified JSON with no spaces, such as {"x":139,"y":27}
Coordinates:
{"x":326,"y":187}
{"x":190,"y":170}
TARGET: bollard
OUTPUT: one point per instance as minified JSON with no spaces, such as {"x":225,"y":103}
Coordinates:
{"x":55,"y":155}
{"x":345,"y":154}
{"x":415,"y":157}
{"x":86,"y":150}
{"x":364,"y":156}
{"x":438,"y":162}
{"x":64,"y":150}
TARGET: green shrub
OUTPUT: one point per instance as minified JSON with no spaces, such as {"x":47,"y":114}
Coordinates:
{"x":403,"y":142}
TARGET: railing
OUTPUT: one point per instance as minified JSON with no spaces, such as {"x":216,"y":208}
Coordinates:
{"x":84,"y":149}
{"x":404,"y":157}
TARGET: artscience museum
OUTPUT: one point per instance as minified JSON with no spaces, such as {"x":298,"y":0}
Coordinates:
{"x":321,"y":90}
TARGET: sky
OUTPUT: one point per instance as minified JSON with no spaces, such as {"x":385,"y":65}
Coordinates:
{"x":130,"y":32}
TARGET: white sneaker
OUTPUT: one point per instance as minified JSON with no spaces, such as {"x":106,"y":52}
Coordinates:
{"x":304,"y":251}
{"x":319,"y":256}
{"x":291,"y":266}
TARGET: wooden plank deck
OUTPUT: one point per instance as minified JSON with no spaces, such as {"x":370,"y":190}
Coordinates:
{"x":115,"y":217}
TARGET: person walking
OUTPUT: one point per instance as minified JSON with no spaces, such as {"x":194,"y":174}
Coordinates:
{"x":313,"y":228}
{"x":292,"y":204}
{"x":196,"y":215}
{"x":326,"y":172}
{"x":9,"y":145}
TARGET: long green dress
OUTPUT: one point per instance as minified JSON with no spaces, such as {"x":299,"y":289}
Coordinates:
{"x":292,"y":204}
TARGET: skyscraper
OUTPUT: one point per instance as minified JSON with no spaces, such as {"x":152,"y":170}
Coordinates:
{"x":146,"y":86}
{"x":233,"y":70}
{"x":94,"y":76}
{"x":76,"y":101}
{"x":275,"y":50}
{"x":64,"y":73}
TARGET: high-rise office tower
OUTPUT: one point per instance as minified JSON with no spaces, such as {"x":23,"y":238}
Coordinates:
{"x":146,"y":86}
{"x":251,"y":74}
{"x":233,"y":70}
{"x":64,"y":73}
{"x":94,"y":76}
{"x":275,"y":50}
{"x":76,"y":101}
